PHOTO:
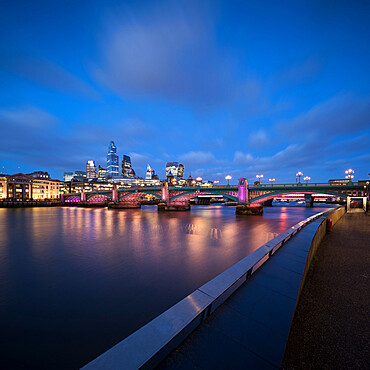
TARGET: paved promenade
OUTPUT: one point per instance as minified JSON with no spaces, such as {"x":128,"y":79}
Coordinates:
{"x":250,"y":330}
{"x":331,"y":327}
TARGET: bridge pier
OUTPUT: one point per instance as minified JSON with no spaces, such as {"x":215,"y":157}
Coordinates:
{"x":309,"y":200}
{"x":124,"y":205}
{"x":268,"y":203}
{"x":248,"y":209}
{"x":170,"y":206}
{"x":244,"y":207}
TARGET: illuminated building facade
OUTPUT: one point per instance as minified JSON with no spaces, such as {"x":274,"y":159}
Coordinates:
{"x":102,"y":173}
{"x":91,"y":170}
{"x":150,"y":174}
{"x":175,"y":170}
{"x":79,"y":175}
{"x":127,"y":170}
{"x":21,"y":187}
{"x":112,"y":161}
{"x":39,"y":175}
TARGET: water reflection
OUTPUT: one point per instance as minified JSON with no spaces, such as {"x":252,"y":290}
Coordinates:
{"x":76,"y":281}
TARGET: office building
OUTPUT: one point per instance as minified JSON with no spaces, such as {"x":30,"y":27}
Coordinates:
{"x":21,"y":187}
{"x":102,"y":173}
{"x":79,"y":176}
{"x":91,"y":170}
{"x":112,"y":161}
{"x":175,"y":170}
{"x":39,"y":175}
{"x":127,"y":170}
{"x":150,"y":174}
{"x":68,"y":176}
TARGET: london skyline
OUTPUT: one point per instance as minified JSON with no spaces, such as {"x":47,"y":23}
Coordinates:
{"x":205,"y":85}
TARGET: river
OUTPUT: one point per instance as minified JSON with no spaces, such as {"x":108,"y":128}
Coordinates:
{"x":75,"y":281}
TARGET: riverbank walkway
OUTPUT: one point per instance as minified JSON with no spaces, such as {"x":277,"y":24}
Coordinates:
{"x":331,"y":327}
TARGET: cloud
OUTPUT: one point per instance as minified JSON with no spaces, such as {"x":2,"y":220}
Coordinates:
{"x":32,"y":117}
{"x":198,"y":158}
{"x":258,"y":139}
{"x":341,"y":114}
{"x":50,"y":75}
{"x":298,"y":73}
{"x":242,"y":159}
{"x":169,"y":52}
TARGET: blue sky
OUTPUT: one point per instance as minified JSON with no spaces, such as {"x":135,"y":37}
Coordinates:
{"x":225,"y":87}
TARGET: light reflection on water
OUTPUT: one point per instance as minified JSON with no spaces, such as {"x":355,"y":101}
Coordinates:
{"x":76,"y":281}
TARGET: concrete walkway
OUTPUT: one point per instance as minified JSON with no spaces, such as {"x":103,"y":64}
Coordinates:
{"x":250,"y":330}
{"x":331,"y":329}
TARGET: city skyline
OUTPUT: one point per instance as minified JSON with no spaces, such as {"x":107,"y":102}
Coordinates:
{"x":202,"y":84}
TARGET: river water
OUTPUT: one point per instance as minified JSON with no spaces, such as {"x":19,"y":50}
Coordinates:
{"x":76,"y":281}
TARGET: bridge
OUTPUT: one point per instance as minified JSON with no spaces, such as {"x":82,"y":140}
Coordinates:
{"x":176,"y":198}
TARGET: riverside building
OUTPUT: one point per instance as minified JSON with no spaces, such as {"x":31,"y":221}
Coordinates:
{"x":35,"y":186}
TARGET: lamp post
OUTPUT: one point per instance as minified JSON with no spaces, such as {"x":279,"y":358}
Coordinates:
{"x":299,"y":175}
{"x":216,"y":182}
{"x":199,"y":179}
{"x":259,"y":177}
{"x":350,"y":175}
{"x":228,"y":178}
{"x":307,"y":179}
{"x":272,"y":180}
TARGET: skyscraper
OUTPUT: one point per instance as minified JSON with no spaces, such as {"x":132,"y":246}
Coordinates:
{"x":102,"y":173}
{"x":112,"y":161}
{"x":175,"y":169}
{"x":91,"y":170}
{"x":127,"y":170}
{"x":150,"y":173}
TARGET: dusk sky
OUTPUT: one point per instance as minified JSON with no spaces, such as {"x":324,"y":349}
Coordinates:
{"x":224,"y":87}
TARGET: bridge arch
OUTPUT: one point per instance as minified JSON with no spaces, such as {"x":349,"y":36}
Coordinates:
{"x":72,"y":198}
{"x":98,"y":197}
{"x":139,"y":194}
{"x":267,"y":196}
{"x":191,"y":194}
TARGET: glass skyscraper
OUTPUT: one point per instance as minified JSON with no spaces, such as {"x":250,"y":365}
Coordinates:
{"x":112,"y":161}
{"x":175,"y":169}
{"x":127,"y":170}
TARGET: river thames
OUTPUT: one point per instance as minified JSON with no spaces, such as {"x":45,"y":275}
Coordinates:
{"x":75,"y":281}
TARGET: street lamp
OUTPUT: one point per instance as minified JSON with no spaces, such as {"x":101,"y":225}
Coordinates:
{"x":307,"y":179}
{"x":199,"y":179}
{"x":216,"y":182}
{"x":349,"y":174}
{"x":259,"y":177}
{"x":299,"y":175}
{"x":272,"y":180}
{"x":228,"y":178}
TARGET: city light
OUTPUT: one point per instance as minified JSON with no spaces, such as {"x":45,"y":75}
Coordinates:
{"x":299,"y":175}
{"x":259,"y":177}
{"x":199,"y":179}
{"x":228,"y":178}
{"x":307,"y":179}
{"x":272,"y":180}
{"x":350,"y":174}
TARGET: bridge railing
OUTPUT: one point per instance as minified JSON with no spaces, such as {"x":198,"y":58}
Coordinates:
{"x":299,"y":185}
